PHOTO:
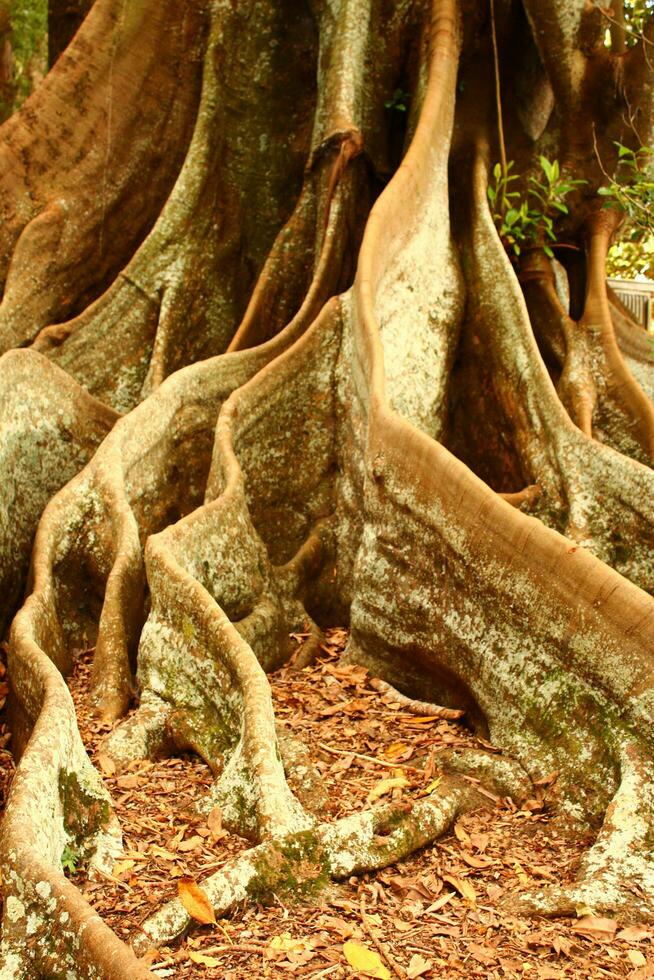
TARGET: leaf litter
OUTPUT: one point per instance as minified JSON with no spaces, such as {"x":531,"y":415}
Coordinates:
{"x":439,"y":914}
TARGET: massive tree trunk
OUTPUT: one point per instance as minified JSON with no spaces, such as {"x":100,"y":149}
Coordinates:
{"x":278,"y":372}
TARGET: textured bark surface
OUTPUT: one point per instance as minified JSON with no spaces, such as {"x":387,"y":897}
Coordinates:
{"x":279,"y":373}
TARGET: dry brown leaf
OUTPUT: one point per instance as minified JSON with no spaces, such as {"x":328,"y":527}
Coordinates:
{"x":203,"y":959}
{"x":418,"y":965}
{"x":477,"y":861}
{"x":461,"y":833}
{"x":215,"y":821}
{"x":190,"y":844}
{"x":195,"y":901}
{"x":464,"y":888}
{"x":634,"y":934}
{"x":106,"y":763}
{"x":596,"y":927}
{"x":131,"y":781}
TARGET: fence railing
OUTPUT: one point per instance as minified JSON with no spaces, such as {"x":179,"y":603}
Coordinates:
{"x":638,"y":297}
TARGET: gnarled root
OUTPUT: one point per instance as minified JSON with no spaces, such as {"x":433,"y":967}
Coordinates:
{"x":362,"y":842}
{"x":617,"y":873}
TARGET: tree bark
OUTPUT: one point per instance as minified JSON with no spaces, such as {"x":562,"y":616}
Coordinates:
{"x":280,"y":373}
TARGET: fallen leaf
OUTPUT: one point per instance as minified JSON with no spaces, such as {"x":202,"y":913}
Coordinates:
{"x":161,"y":852}
{"x":634,"y":934}
{"x":106,"y":763}
{"x":215,"y":821}
{"x":131,"y":781}
{"x":203,"y":959}
{"x":120,"y":867}
{"x":434,"y":784}
{"x":195,"y":901}
{"x":476,"y":861}
{"x":417,"y":966}
{"x":190,"y":844}
{"x":365,"y":960}
{"x":596,"y":927}
{"x":464,"y":888}
{"x":636,"y":958}
{"x":286,"y":942}
{"x":385,"y":786}
{"x":461,"y":833}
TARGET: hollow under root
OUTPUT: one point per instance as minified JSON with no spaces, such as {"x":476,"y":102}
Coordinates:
{"x":618,"y":871}
{"x":391,"y":693}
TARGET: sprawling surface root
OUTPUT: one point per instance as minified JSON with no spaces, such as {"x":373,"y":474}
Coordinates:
{"x":275,"y":488}
{"x":595,"y":384}
{"x":49,"y":428}
{"x":57,"y":802}
{"x":618,"y":870}
{"x":363,"y":842}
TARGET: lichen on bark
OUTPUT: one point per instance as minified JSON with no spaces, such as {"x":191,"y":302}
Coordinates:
{"x":340,"y":404}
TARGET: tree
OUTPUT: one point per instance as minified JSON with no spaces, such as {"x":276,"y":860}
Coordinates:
{"x":263,"y":312}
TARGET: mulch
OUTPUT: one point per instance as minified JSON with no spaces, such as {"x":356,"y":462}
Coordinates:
{"x":442,"y":913}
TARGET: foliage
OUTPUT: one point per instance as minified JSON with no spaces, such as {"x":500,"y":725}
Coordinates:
{"x":632,"y":190}
{"x":528,"y":220}
{"x":29,"y":43}
{"x":627,"y":259}
{"x":70,"y":859}
{"x":636,"y":14}
{"x":399,"y":101}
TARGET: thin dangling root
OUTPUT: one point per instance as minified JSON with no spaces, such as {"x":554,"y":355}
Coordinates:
{"x":410,"y":704}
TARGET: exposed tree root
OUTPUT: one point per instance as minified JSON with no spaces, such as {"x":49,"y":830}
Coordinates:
{"x":618,"y":871}
{"x":571,"y":469}
{"x":49,"y":428}
{"x":601,"y":394}
{"x":271,"y":489}
{"x":363,"y":842}
{"x":416,"y":707}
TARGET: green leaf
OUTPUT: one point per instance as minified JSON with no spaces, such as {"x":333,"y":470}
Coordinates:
{"x":497,"y":171}
{"x":546,"y":167}
{"x":548,"y":251}
{"x":511,"y":217}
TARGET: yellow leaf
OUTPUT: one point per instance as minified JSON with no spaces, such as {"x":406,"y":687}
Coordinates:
{"x":464,"y":888}
{"x":385,"y":786}
{"x":203,"y":959}
{"x":395,"y":750}
{"x":636,"y":957}
{"x":161,"y":852}
{"x":365,"y":960}
{"x":195,"y":901}
{"x":434,"y":784}
{"x":286,"y":942}
{"x":121,"y":866}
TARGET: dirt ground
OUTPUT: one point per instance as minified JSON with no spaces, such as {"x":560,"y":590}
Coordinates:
{"x":443,"y":913}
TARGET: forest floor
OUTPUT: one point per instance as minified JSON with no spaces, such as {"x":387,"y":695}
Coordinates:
{"x":442,"y":913}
